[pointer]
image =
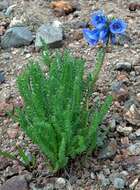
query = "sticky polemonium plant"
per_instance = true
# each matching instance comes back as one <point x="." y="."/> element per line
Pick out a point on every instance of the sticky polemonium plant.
<point x="57" y="113"/>
<point x="105" y="29"/>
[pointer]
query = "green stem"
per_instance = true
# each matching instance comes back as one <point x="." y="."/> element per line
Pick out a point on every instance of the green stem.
<point x="99" y="63"/>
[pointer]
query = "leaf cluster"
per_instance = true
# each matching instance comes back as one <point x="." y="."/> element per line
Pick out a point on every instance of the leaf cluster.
<point x="56" y="114"/>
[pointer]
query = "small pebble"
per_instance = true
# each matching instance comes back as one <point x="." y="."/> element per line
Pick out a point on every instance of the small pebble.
<point x="124" y="130"/>
<point x="60" y="183"/>
<point x="119" y="183"/>
<point x="134" y="149"/>
<point x="104" y="181"/>
<point x="2" y="78"/>
<point x="137" y="133"/>
<point x="92" y="175"/>
<point x="134" y="183"/>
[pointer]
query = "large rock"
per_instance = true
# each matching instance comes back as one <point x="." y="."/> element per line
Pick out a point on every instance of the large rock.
<point x="50" y="33"/>
<point x="15" y="183"/>
<point x="16" y="37"/>
<point x="126" y="66"/>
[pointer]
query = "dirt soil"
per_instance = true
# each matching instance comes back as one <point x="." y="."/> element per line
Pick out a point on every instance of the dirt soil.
<point x="117" y="164"/>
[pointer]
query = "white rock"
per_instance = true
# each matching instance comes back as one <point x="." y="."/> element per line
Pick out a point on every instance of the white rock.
<point x="137" y="133"/>
<point x="60" y="183"/>
<point x="15" y="21"/>
<point x="134" y="183"/>
<point x="134" y="149"/>
<point x="124" y="130"/>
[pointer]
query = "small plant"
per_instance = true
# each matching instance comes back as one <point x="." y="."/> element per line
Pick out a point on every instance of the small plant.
<point x="24" y="159"/>
<point x="56" y="113"/>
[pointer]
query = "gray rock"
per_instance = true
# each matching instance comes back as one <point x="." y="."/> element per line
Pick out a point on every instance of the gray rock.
<point x="137" y="69"/>
<point x="132" y="115"/>
<point x="10" y="172"/>
<point x="134" y="149"/>
<point x="124" y="66"/>
<point x="117" y="118"/>
<point x="15" y="183"/>
<point x="106" y="171"/>
<point x="104" y="181"/>
<point x="138" y="97"/>
<point x="109" y="151"/>
<point x="4" y="163"/>
<point x="2" y="78"/>
<point x="119" y="91"/>
<point x="113" y="124"/>
<point x="78" y="24"/>
<point x="119" y="183"/>
<point x="6" y="55"/>
<point x="51" y="33"/>
<point x="3" y="5"/>
<point x="130" y="102"/>
<point x="16" y="37"/>
<point x="48" y="187"/>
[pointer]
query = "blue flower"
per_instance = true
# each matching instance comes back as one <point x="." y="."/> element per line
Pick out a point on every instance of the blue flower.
<point x="105" y="29"/>
<point x="117" y="26"/>
<point x="104" y="35"/>
<point x="91" y="36"/>
<point x="99" y="20"/>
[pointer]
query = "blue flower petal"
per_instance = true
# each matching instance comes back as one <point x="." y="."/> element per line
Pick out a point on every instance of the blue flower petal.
<point x="113" y="38"/>
<point x="117" y="26"/>
<point x="91" y="36"/>
<point x="104" y="35"/>
<point x="98" y="19"/>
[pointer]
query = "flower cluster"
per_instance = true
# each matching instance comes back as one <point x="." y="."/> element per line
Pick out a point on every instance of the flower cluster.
<point x="104" y="29"/>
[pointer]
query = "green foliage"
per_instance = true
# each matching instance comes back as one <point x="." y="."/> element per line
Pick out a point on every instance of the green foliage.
<point x="7" y="155"/>
<point x="56" y="115"/>
<point x="24" y="159"/>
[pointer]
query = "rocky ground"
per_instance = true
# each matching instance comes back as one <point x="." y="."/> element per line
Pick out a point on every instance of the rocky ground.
<point x="117" y="164"/>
